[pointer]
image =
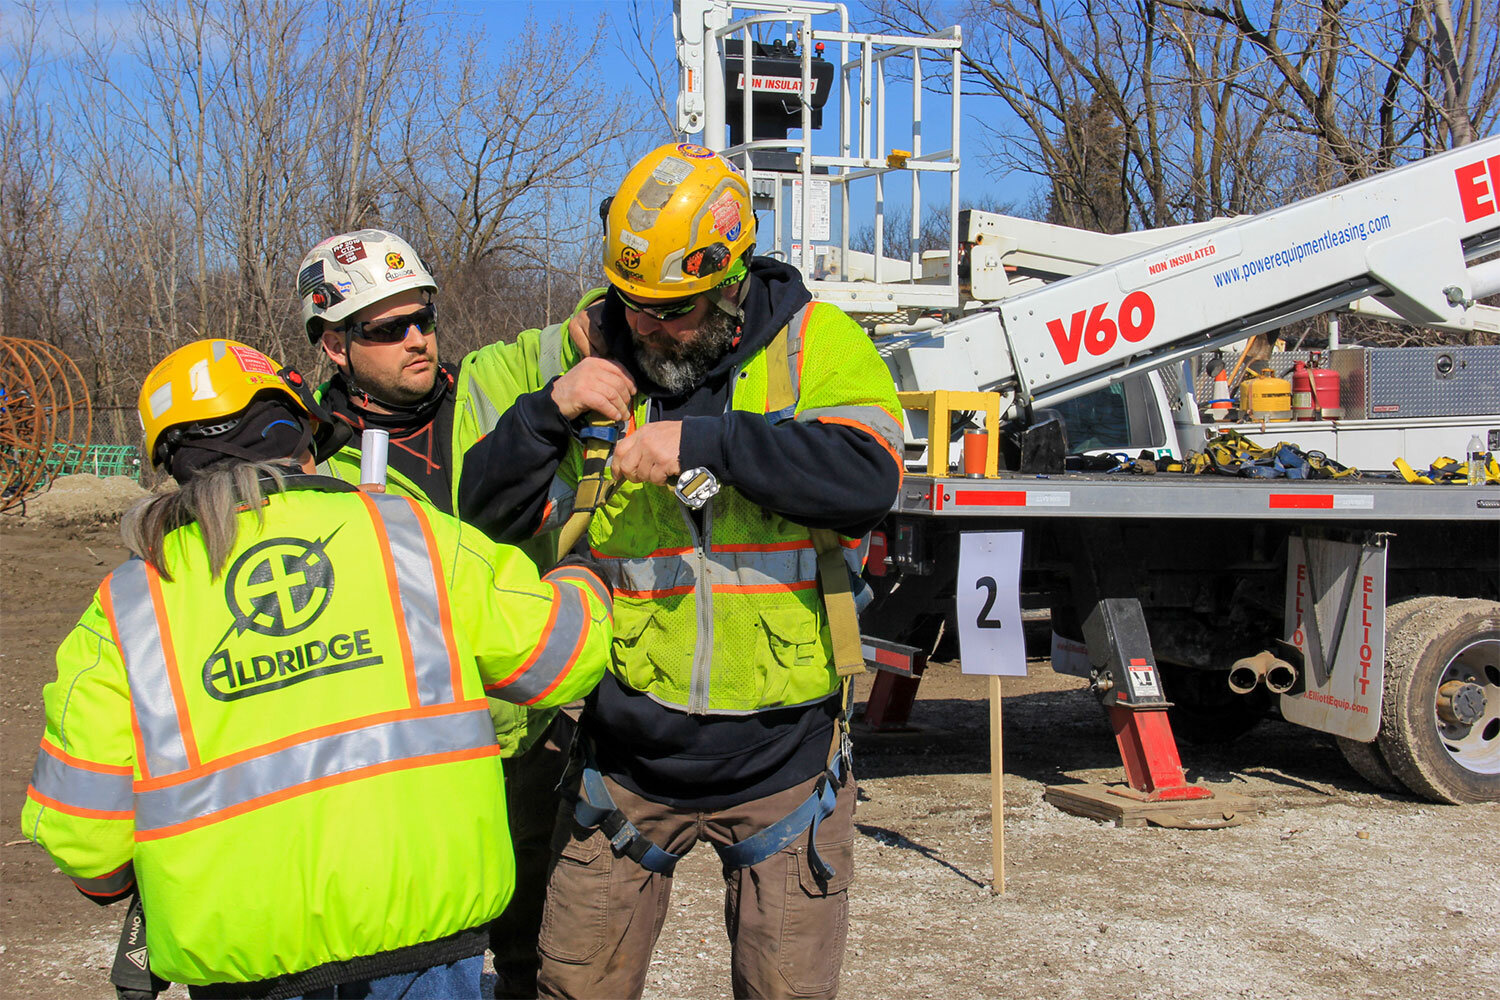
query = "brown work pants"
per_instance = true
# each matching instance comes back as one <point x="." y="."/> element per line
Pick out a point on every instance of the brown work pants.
<point x="530" y="804"/>
<point x="786" y="929"/>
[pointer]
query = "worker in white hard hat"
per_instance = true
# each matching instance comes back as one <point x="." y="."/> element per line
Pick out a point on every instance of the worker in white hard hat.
<point x="370" y="302"/>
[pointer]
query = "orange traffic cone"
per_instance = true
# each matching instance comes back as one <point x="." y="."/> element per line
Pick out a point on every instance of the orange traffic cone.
<point x="1220" y="402"/>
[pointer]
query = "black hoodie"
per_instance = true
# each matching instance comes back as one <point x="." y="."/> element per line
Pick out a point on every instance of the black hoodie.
<point x="818" y="474"/>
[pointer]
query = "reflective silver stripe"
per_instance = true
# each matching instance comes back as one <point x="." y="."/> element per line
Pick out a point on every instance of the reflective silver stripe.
<point x="560" y="499"/>
<point x="548" y="663"/>
<point x="794" y="350"/>
<point x="597" y="588"/>
<point x="873" y="417"/>
<point x="113" y="884"/>
<point x="146" y="668"/>
<point x="855" y="558"/>
<point x="549" y="352"/>
<point x="418" y="591"/>
<point x="285" y="770"/>
<point x="703" y="598"/>
<point x="71" y="785"/>
<point x="486" y="413"/>
<point x="732" y="568"/>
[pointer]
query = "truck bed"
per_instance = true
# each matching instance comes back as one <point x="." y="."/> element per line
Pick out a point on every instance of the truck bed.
<point x="1203" y="496"/>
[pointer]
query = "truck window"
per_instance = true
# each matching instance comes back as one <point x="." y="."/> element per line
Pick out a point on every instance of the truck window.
<point x="1096" y="421"/>
<point x="1120" y="417"/>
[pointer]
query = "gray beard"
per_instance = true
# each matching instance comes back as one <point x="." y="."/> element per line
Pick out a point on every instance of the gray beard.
<point x="681" y="367"/>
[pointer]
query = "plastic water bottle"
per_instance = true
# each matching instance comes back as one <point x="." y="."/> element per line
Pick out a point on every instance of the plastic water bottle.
<point x="1476" y="461"/>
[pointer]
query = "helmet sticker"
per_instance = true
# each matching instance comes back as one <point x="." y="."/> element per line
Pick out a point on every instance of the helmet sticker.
<point x="160" y="401"/>
<point x="630" y="259"/>
<point x="252" y="361"/>
<point x="633" y="241"/>
<point x="199" y="382"/>
<point x="695" y="151"/>
<point x="672" y="171"/>
<point x="310" y="278"/>
<point x="345" y="288"/>
<point x="349" y="251"/>
<point x="706" y="260"/>
<point x="393" y="260"/>
<point x="398" y="275"/>
<point x="726" y="213"/>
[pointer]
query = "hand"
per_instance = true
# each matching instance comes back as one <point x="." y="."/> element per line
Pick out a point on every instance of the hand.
<point x="650" y="454"/>
<point x="587" y="331"/>
<point x="597" y="384"/>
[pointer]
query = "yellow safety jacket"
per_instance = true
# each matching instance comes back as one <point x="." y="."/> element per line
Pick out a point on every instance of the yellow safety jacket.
<point x="295" y="760"/>
<point x="488" y="382"/>
<point x="729" y="619"/>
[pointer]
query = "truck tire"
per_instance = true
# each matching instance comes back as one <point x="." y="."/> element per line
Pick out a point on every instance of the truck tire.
<point x="1365" y="758"/>
<point x="1437" y="758"/>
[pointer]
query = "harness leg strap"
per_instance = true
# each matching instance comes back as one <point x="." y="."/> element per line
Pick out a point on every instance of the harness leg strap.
<point x="781" y="834"/>
<point x="595" y="809"/>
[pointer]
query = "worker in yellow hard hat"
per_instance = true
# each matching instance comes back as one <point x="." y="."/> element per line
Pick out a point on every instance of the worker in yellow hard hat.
<point x="270" y="727"/>
<point x="761" y="442"/>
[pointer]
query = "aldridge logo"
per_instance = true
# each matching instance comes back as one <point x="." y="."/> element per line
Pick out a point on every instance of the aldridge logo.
<point x="279" y="587"/>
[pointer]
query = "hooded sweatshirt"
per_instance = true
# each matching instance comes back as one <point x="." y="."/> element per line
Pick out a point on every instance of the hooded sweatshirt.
<point x="821" y="475"/>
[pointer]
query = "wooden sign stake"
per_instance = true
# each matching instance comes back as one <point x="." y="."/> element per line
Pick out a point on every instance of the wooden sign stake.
<point x="997" y="793"/>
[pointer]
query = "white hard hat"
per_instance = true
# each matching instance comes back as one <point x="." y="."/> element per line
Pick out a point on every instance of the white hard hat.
<point x="347" y="272"/>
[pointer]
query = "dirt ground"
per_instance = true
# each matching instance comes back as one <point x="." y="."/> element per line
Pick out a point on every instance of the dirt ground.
<point x="1333" y="891"/>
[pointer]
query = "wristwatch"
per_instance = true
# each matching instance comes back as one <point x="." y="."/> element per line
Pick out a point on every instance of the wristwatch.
<point x="696" y="487"/>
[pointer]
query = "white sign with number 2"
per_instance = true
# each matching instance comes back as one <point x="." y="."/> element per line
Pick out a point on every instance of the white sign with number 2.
<point x="989" y="603"/>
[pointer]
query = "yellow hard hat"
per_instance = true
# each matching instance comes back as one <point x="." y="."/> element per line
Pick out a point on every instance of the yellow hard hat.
<point x="681" y="223"/>
<point x="203" y="387"/>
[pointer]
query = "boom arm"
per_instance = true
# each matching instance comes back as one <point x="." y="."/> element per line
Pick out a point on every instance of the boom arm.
<point x="1405" y="236"/>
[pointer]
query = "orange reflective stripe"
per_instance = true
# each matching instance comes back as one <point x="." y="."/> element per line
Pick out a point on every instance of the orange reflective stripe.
<point x="445" y="614"/>
<point x="63" y="807"/>
<point x="762" y="588"/>
<point x="88" y="765"/>
<point x="868" y="430"/>
<point x="681" y="550"/>
<point x="329" y="781"/>
<point x="388" y="562"/>
<point x="308" y="736"/>
<point x="805" y="543"/>
<point x="644" y="594"/>
<point x="541" y="643"/>
<point x="567" y="666"/>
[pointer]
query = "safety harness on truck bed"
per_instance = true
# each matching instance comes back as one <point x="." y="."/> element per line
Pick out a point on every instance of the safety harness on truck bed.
<point x="594" y="807"/>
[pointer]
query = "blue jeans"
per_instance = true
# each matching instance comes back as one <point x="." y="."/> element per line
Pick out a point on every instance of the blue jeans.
<point x="458" y="981"/>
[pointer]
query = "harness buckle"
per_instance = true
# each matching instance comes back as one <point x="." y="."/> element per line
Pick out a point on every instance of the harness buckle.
<point x="696" y="487"/>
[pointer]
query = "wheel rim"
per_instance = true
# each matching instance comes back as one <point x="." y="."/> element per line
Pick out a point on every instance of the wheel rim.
<point x="1476" y="746"/>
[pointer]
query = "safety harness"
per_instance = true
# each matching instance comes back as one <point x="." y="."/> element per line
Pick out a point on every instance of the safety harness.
<point x="595" y="808"/>
<point x="1233" y="454"/>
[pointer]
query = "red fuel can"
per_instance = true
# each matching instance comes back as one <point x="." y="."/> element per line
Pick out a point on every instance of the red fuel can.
<point x="1315" y="393"/>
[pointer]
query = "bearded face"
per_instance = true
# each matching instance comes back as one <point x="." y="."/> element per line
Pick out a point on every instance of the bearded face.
<point x="678" y="364"/>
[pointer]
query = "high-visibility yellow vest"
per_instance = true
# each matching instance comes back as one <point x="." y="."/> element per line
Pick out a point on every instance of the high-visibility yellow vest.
<point x="730" y="619"/>
<point x="488" y="382"/>
<point x="297" y="757"/>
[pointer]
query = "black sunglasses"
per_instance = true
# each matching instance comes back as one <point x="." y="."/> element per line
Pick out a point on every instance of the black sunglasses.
<point x="395" y="329"/>
<point x="670" y="311"/>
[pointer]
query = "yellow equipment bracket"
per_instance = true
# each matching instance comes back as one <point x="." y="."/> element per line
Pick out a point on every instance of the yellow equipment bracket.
<point x="939" y="406"/>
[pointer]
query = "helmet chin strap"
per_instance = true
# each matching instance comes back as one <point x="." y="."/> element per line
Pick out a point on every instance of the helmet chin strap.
<point x="363" y="397"/>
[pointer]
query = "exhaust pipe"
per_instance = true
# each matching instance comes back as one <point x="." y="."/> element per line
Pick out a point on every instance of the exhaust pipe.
<point x="1281" y="677"/>
<point x="1245" y="676"/>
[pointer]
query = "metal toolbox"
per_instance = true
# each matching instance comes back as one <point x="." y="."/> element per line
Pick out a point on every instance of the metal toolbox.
<point x="1392" y="383"/>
